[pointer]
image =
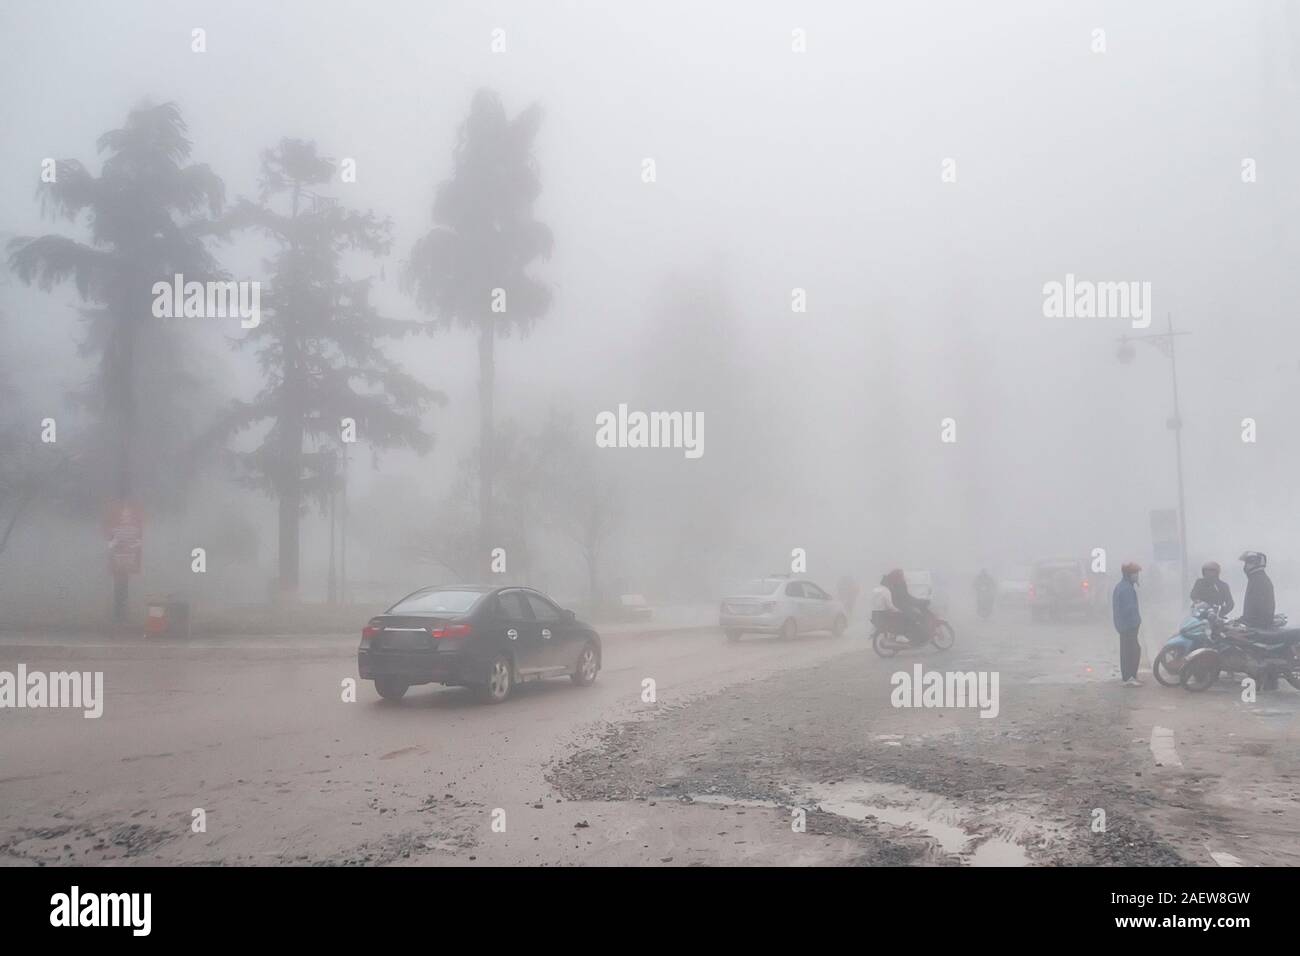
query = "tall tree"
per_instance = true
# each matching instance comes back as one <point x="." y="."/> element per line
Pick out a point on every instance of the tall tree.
<point x="471" y="269"/>
<point x="320" y="348"/>
<point x="149" y="214"/>
<point x="579" y="498"/>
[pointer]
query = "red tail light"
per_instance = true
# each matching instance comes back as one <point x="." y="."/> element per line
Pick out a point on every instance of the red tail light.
<point x="1032" y="590"/>
<point x="370" y="631"/>
<point x="451" y="630"/>
<point x="1085" y="585"/>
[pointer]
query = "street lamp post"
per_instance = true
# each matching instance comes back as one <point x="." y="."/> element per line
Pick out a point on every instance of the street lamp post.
<point x="1165" y="342"/>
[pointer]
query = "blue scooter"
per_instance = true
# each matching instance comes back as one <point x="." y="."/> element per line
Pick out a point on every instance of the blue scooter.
<point x="1193" y="634"/>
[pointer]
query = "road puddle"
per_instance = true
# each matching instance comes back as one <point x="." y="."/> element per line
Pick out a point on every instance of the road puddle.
<point x="976" y="837"/>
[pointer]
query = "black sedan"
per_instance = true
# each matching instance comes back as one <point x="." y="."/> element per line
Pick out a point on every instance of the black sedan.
<point x="487" y="638"/>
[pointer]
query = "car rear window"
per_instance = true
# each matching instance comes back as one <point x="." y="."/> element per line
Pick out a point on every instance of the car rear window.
<point x="437" y="601"/>
<point x="761" y="586"/>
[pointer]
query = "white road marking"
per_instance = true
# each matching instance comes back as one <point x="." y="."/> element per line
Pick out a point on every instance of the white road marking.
<point x="1162" y="747"/>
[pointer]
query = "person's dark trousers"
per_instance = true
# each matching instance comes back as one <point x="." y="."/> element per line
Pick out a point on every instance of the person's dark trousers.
<point x="1130" y="654"/>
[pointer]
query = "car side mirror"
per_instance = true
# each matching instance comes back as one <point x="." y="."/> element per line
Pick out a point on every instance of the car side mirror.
<point x="569" y="616"/>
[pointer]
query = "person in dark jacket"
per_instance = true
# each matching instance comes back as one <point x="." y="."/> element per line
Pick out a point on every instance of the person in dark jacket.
<point x="1258" y="606"/>
<point x="1212" y="589"/>
<point x="1128" y="620"/>
<point x="912" y="609"/>
<point x="847" y="592"/>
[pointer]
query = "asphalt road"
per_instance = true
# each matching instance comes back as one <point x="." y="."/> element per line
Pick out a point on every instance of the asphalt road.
<point x="738" y="737"/>
<point x="286" y="771"/>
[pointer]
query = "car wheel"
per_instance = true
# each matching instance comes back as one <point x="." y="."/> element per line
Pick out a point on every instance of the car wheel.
<point x="839" y="626"/>
<point x="789" y="630"/>
<point x="390" y="688"/>
<point x="733" y="635"/>
<point x="500" y="682"/>
<point x="584" y="674"/>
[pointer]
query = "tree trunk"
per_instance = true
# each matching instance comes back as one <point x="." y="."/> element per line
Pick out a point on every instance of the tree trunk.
<point x="290" y="508"/>
<point x="124" y="398"/>
<point x="593" y="584"/>
<point x="486" y="372"/>
<point x="289" y="514"/>
<point x="290" y="463"/>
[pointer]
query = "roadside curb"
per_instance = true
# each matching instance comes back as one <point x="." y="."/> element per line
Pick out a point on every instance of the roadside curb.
<point x="163" y="649"/>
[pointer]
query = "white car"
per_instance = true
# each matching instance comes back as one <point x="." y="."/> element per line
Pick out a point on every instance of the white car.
<point x="781" y="605"/>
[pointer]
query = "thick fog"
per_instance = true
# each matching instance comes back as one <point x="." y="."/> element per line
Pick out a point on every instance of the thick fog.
<point x="825" y="228"/>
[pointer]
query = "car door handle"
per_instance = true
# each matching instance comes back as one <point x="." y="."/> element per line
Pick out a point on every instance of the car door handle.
<point x="512" y="634"/>
<point x="546" y="633"/>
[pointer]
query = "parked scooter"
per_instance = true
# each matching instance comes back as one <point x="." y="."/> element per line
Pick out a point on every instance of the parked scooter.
<point x="887" y="637"/>
<point x="1196" y="632"/>
<point x="1263" y="655"/>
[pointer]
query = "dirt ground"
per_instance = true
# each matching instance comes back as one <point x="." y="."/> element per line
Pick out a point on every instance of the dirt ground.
<point x="940" y="786"/>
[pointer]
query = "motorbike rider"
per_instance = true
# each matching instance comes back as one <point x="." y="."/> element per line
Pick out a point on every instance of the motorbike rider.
<point x="1213" y="590"/>
<point x="846" y="589"/>
<point x="913" y="609"/>
<point x="1258" y="606"/>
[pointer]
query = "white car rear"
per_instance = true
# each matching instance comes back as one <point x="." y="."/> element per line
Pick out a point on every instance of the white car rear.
<point x="781" y="605"/>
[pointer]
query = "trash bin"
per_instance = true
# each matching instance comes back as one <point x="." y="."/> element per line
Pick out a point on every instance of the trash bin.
<point x="168" y="617"/>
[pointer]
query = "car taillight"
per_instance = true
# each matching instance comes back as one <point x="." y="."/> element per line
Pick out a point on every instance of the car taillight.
<point x="1085" y="585"/>
<point x="370" y="631"/>
<point x="1032" y="590"/>
<point x="451" y="630"/>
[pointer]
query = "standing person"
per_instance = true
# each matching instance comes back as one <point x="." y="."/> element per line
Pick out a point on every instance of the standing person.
<point x="1128" y="619"/>
<point x="847" y="591"/>
<point x="1212" y="589"/>
<point x="986" y="590"/>
<point x="1257" y="607"/>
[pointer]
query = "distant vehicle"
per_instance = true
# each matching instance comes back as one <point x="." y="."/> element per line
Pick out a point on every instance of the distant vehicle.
<point x="490" y="639"/>
<point x="781" y="605"/>
<point x="1062" y="588"/>
<point x="1013" y="587"/>
<point x="633" y="607"/>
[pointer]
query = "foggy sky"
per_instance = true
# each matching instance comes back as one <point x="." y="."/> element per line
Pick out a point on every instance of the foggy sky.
<point x="779" y="170"/>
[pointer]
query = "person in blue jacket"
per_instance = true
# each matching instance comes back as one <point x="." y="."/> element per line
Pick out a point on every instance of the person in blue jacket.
<point x="1128" y="619"/>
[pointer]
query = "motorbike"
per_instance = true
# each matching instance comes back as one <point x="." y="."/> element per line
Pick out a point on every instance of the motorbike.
<point x="887" y="638"/>
<point x="1193" y="634"/>
<point x="1264" y="655"/>
<point x="984" y="600"/>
